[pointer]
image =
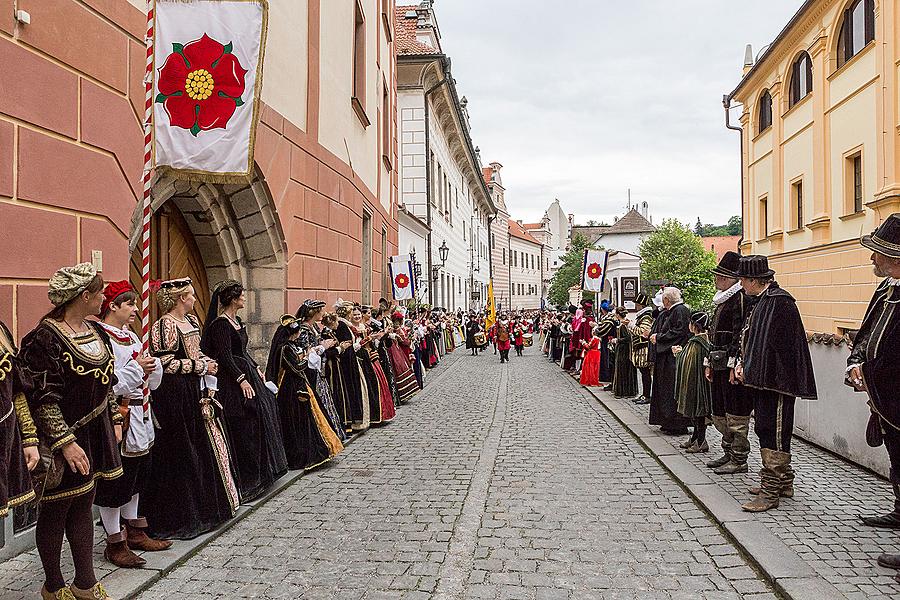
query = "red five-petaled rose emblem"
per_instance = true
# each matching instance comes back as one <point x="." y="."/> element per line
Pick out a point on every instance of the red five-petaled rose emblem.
<point x="200" y="85"/>
<point x="401" y="280"/>
<point x="593" y="271"/>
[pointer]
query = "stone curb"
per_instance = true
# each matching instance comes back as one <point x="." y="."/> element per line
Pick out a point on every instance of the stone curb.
<point x="128" y="584"/>
<point x="789" y="574"/>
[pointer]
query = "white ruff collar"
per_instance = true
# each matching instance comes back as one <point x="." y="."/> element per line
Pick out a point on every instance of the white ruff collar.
<point x="723" y="296"/>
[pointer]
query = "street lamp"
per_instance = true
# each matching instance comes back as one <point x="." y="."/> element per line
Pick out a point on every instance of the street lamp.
<point x="443" y="251"/>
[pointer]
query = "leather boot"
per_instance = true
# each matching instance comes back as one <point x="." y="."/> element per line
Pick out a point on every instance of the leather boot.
<point x="721" y="425"/>
<point x="775" y="464"/>
<point x="95" y="593"/>
<point x="892" y="519"/>
<point x="739" y="428"/>
<point x="139" y="540"/>
<point x="787" y="484"/>
<point x="118" y="553"/>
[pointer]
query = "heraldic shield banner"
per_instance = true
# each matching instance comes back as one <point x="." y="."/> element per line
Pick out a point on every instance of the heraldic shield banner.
<point x="208" y="64"/>
<point x="593" y="275"/>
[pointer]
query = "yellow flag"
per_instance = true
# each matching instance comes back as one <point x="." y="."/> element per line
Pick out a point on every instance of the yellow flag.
<point x="491" y="308"/>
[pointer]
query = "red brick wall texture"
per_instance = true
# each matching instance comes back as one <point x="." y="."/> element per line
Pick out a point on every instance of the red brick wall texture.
<point x="71" y="150"/>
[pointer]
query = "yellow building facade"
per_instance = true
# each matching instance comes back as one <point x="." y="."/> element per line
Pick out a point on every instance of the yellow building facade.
<point x="820" y="152"/>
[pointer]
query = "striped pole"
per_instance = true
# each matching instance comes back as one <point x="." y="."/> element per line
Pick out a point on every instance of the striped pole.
<point x="146" y="200"/>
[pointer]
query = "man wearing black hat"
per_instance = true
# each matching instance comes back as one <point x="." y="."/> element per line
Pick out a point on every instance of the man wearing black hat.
<point x="874" y="367"/>
<point x="775" y="366"/>
<point x="640" y="345"/>
<point x="731" y="407"/>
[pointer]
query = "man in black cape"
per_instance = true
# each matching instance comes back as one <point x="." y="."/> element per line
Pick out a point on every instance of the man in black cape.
<point x="874" y="363"/>
<point x="731" y="405"/>
<point x="775" y="367"/>
<point x="670" y="329"/>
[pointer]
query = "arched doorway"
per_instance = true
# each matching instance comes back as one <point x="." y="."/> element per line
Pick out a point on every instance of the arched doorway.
<point x="173" y="254"/>
<point x="211" y="232"/>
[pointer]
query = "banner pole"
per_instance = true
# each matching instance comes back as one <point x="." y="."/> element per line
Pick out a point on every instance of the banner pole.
<point x="146" y="212"/>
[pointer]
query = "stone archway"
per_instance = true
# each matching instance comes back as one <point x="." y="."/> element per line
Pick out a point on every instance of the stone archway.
<point x="239" y="235"/>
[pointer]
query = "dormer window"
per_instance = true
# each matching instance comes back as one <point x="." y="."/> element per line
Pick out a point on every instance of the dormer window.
<point x="857" y="30"/>
<point x="765" y="111"/>
<point x="801" y="78"/>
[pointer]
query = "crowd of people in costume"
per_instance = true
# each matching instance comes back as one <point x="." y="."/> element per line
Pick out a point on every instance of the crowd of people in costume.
<point x="745" y="360"/>
<point x="168" y="444"/>
<point x="749" y="355"/>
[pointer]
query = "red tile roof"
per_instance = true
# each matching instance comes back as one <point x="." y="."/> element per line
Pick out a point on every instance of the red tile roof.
<point x="722" y="244"/>
<point x="516" y="230"/>
<point x="405" y="33"/>
<point x="533" y="225"/>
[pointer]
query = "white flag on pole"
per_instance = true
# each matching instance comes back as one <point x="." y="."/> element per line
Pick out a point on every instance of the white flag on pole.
<point x="402" y="280"/>
<point x="208" y="78"/>
<point x="593" y="274"/>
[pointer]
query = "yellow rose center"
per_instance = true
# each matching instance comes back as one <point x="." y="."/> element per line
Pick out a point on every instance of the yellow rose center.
<point x="199" y="84"/>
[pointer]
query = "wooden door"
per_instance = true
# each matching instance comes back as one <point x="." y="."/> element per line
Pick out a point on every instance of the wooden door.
<point x="173" y="254"/>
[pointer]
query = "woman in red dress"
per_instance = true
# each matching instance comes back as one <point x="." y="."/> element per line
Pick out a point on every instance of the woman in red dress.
<point x="590" y="367"/>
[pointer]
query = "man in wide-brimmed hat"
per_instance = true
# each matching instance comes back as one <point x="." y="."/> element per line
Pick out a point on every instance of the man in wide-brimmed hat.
<point x="775" y="366"/>
<point x="731" y="407"/>
<point x="874" y="367"/>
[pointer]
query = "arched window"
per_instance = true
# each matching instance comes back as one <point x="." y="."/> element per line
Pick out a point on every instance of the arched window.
<point x="857" y="30"/>
<point x="801" y="78"/>
<point x="765" y="111"/>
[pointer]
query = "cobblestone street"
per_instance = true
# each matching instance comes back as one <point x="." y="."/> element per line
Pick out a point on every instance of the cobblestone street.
<point x="496" y="482"/>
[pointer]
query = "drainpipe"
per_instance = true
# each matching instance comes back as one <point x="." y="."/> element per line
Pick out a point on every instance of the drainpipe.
<point x="726" y="102"/>
<point x="428" y="186"/>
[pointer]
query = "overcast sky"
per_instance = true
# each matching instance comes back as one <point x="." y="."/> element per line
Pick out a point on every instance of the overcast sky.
<point x="581" y="100"/>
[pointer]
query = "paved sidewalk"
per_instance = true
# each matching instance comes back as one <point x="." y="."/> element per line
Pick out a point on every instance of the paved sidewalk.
<point x="500" y="481"/>
<point x="817" y="532"/>
<point x="21" y="577"/>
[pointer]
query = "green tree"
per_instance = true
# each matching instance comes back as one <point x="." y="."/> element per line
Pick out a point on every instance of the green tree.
<point x="735" y="226"/>
<point x="569" y="272"/>
<point x="675" y="254"/>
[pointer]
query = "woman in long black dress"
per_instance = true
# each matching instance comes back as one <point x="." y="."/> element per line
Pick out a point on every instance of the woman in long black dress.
<point x="624" y="375"/>
<point x="355" y="387"/>
<point x="331" y="373"/>
<point x="364" y="348"/>
<point x="310" y="340"/>
<point x="69" y="363"/>
<point x="251" y="411"/>
<point x="18" y="434"/>
<point x="191" y="488"/>
<point x="309" y="439"/>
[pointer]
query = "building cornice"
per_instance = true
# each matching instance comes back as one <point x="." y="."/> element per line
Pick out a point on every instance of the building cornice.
<point x="810" y="12"/>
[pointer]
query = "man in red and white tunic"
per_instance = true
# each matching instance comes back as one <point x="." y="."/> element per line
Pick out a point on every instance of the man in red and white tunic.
<point x="118" y="498"/>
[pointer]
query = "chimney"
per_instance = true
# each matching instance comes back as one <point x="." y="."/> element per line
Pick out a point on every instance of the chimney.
<point x="748" y="59"/>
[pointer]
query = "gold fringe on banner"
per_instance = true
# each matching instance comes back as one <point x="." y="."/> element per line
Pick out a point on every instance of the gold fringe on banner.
<point x="211" y="176"/>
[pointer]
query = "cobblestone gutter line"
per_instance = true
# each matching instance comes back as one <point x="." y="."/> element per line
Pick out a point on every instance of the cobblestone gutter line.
<point x="460" y="559"/>
<point x="792" y="576"/>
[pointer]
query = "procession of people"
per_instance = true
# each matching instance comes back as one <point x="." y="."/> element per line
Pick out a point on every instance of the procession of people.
<point x="168" y="444"/>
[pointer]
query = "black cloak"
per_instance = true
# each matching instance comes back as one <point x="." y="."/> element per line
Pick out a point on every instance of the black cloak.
<point x="876" y="348"/>
<point x="775" y="351"/>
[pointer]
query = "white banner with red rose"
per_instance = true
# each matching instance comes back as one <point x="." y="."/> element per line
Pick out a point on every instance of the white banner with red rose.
<point x="593" y="274"/>
<point x="208" y="79"/>
<point x="403" y="281"/>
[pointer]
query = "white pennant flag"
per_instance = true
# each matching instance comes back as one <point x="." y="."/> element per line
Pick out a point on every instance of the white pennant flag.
<point x="402" y="280"/>
<point x="208" y="79"/>
<point x="593" y="274"/>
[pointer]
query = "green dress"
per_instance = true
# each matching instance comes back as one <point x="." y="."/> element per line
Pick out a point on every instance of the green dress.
<point x="691" y="386"/>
